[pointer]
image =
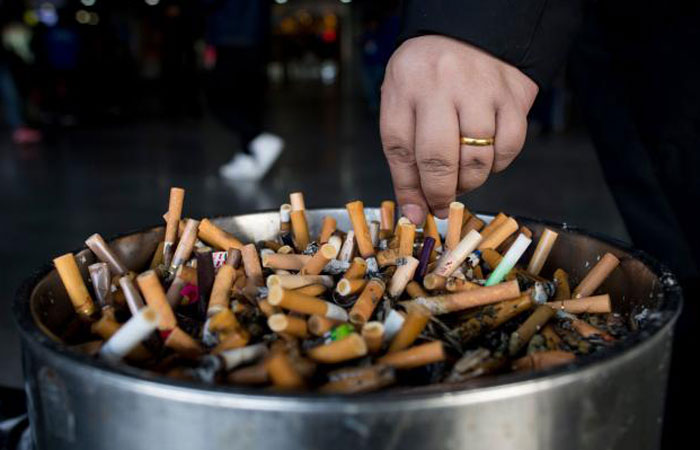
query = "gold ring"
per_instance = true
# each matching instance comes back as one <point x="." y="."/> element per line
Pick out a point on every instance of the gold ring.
<point x="464" y="140"/>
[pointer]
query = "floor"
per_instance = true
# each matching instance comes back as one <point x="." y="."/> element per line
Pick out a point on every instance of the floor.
<point x="115" y="179"/>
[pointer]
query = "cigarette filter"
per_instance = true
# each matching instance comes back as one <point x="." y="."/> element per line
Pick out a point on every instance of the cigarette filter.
<point x="430" y="230"/>
<point x="282" y="373"/>
<point x="499" y="234"/>
<point x="358" y="380"/>
<point x="135" y="330"/>
<point x="454" y="225"/>
<point x="599" y="304"/>
<point x="358" y="269"/>
<point x="350" y="347"/>
<point x="158" y="257"/>
<point x="336" y="241"/>
<point x="551" y="337"/>
<point x="105" y="254"/>
<point x="532" y="325"/>
<point x="455" y="257"/>
<point x="388" y="257"/>
<point x="561" y="279"/>
<point x="356" y="211"/>
<point x="313" y="290"/>
<point x="319" y="325"/>
<point x="281" y="323"/>
<point x="407" y="237"/>
<point x="454" y="284"/>
<point x="230" y="341"/>
<point x="298" y="281"/>
<point x="221" y="291"/>
<point x="68" y="271"/>
<point x="414" y="290"/>
<point x="544" y="247"/>
<point x="495" y="223"/>
<point x="587" y="330"/>
<point x="186" y="244"/>
<point x="285" y="261"/>
<point x="364" y="306"/>
<point x="285" y="218"/>
<point x="251" y="264"/>
<point x="328" y="226"/>
<point x="155" y="298"/>
<point x="417" y="356"/>
<point x="444" y="304"/>
<point x="596" y="275"/>
<point x="177" y="198"/>
<point x="319" y="260"/>
<point x="434" y="282"/>
<point x="404" y="273"/>
<point x="305" y="304"/>
<point x="373" y="334"/>
<point x="474" y="223"/>
<point x="216" y="237"/>
<point x="388" y="214"/>
<point x="416" y="320"/>
<point x="300" y="226"/>
<point x="543" y="360"/>
<point x="347" y="287"/>
<point x="509" y="260"/>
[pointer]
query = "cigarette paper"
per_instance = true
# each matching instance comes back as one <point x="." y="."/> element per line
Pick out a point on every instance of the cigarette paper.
<point x="491" y="317"/>
<point x="417" y="356"/>
<point x="68" y="271"/>
<point x="251" y="264"/>
<point x="313" y="290"/>
<point x="186" y="244"/>
<point x="364" y="306"/>
<point x="350" y="347"/>
<point x="281" y="323"/>
<point x="319" y="325"/>
<point x="356" y="212"/>
<point x="373" y="334"/>
<point x="327" y="228"/>
<point x="285" y="218"/>
<point x="458" y="285"/>
<point x="305" y="304"/>
<point x="444" y="304"/>
<point x="101" y="283"/>
<point x="230" y="359"/>
<point x="543" y="360"/>
<point x="392" y="324"/>
<point x="404" y="273"/>
<point x="298" y="281"/>
<point x="129" y="335"/>
<point x="359" y="379"/>
<point x="509" y="260"/>
<point x="285" y="261"/>
<point x="544" y="247"/>
<point x="495" y="223"/>
<point x="318" y="261"/>
<point x="454" y="225"/>
<point x="347" y="287"/>
<point x="599" y="304"/>
<point x="455" y="257"/>
<point x="221" y="291"/>
<point x="520" y="337"/>
<point x="407" y="237"/>
<point x="155" y="297"/>
<point x="499" y="234"/>
<point x="216" y="237"/>
<point x="105" y="254"/>
<point x="416" y="320"/>
<point x="282" y="373"/>
<point x="347" y="251"/>
<point x="388" y="214"/>
<point x="596" y="275"/>
<point x="177" y="198"/>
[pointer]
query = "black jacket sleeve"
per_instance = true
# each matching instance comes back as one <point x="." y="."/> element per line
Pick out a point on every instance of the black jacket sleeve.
<point x="532" y="35"/>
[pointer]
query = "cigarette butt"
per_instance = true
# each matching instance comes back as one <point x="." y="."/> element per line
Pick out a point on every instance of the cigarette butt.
<point x="305" y="304"/>
<point x="319" y="260"/>
<point x="313" y="290"/>
<point x="101" y="284"/>
<point x="272" y="245"/>
<point x="300" y="229"/>
<point x="299" y="281"/>
<point x="414" y="290"/>
<point x="220" y="293"/>
<point x="157" y="259"/>
<point x="510" y="259"/>
<point x="133" y="298"/>
<point x="374" y="233"/>
<point x="177" y="198"/>
<point x="388" y="214"/>
<point x="599" y="304"/>
<point x="596" y="275"/>
<point x="455" y="257"/>
<point x="414" y="324"/>
<point x="358" y="269"/>
<point x="189" y="275"/>
<point x="505" y="246"/>
<point x="357" y="380"/>
<point x="561" y="279"/>
<point x="285" y="261"/>
<point x="444" y="304"/>
<point x="347" y="287"/>
<point x="543" y="360"/>
<point x="474" y="223"/>
<point x="408" y="236"/>
<point x="68" y="271"/>
<point x="587" y="330"/>
<point x="347" y="251"/>
<point x="426" y="254"/>
<point x="388" y="257"/>
<point x="183" y="251"/>
<point x="105" y="254"/>
<point x="499" y="234"/>
<point x="155" y="297"/>
<point x="281" y="323"/>
<point x="404" y="273"/>
<point x="373" y="334"/>
<point x="364" y="306"/>
<point x="491" y="257"/>
<point x="285" y="218"/>
<point x="434" y="282"/>
<point x="495" y="223"/>
<point x="417" y="356"/>
<point x="430" y="230"/>
<point x="454" y="225"/>
<point x="205" y="276"/>
<point x="129" y="336"/>
<point x="282" y="372"/>
<point x="478" y="273"/>
<point x="267" y="308"/>
<point x="327" y="228"/>
<point x="251" y="264"/>
<point x="183" y="344"/>
<point x="350" y="347"/>
<point x="285" y="250"/>
<point x="336" y="241"/>
<point x="249" y="376"/>
<point x="551" y="337"/>
<point x="492" y="316"/>
<point x="319" y="325"/>
<point x="107" y="326"/>
<point x="356" y="212"/>
<point x="544" y="247"/>
<point x="458" y="285"/>
<point x="532" y="325"/>
<point x="216" y="237"/>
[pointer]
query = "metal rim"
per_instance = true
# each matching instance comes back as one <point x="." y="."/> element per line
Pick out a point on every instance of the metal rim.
<point x="466" y="392"/>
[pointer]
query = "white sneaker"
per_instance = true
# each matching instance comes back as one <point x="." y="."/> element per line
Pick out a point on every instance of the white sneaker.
<point x="241" y="167"/>
<point x="266" y="148"/>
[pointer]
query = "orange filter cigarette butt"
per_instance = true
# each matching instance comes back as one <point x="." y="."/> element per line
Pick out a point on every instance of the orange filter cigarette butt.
<point x="434" y="282"/>
<point x="499" y="234"/>
<point x="357" y="269"/>
<point x="599" y="304"/>
<point x="491" y="257"/>
<point x="313" y="290"/>
<point x="327" y="228"/>
<point x="216" y="237"/>
<point x="347" y="287"/>
<point x="299" y="281"/>
<point x="183" y="251"/>
<point x="532" y="325"/>
<point x="444" y="304"/>
<point x="251" y="264"/>
<point x="285" y="219"/>
<point x="364" y="306"/>
<point x="561" y="279"/>
<point x="319" y="260"/>
<point x="155" y="297"/>
<point x="495" y="223"/>
<point x="356" y="211"/>
<point x="474" y="223"/>
<point x="414" y="290"/>
<point x="596" y="275"/>
<point x="388" y="216"/>
<point x="282" y="372"/>
<point x="544" y="247"/>
<point x="408" y="236"/>
<point x="177" y="198"/>
<point x="373" y="334"/>
<point x="305" y="304"/>
<point x="281" y="323"/>
<point x="430" y="230"/>
<point x="404" y="273"/>
<point x="267" y="308"/>
<point x="319" y="325"/>
<point x="300" y="226"/>
<point x="220" y="292"/>
<point x="387" y="257"/>
<point x="350" y="347"/>
<point x="454" y="225"/>
<point x="68" y="271"/>
<point x="543" y="360"/>
<point x="587" y="330"/>
<point x="413" y="325"/>
<point x="454" y="284"/>
<point x="183" y="343"/>
<point x="285" y="261"/>
<point x="417" y="356"/>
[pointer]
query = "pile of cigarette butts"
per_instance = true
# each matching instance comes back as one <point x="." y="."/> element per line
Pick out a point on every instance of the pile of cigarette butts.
<point x="382" y="305"/>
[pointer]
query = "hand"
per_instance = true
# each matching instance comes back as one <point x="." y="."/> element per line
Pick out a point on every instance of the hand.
<point x="435" y="90"/>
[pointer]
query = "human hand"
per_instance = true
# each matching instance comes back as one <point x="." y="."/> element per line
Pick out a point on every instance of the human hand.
<point x="435" y="90"/>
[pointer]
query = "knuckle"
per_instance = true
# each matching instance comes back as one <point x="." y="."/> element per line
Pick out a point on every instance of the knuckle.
<point x="437" y="165"/>
<point x="397" y="152"/>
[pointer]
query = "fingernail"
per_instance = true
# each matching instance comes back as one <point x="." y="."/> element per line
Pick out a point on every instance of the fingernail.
<point x="414" y="213"/>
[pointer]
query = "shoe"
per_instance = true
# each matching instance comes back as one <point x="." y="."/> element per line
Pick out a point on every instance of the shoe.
<point x="266" y="148"/>
<point x="241" y="167"/>
<point x="26" y="135"/>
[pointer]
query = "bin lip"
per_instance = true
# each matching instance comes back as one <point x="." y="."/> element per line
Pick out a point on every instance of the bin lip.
<point x="672" y="303"/>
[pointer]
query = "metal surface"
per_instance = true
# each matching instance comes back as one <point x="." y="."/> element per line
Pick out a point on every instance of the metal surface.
<point x="612" y="400"/>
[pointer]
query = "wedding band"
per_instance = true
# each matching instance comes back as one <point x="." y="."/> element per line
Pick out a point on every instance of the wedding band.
<point x="464" y="140"/>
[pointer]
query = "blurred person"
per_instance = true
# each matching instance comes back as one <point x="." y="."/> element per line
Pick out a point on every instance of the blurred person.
<point x="237" y="33"/>
<point x="14" y="43"/>
<point x="473" y="69"/>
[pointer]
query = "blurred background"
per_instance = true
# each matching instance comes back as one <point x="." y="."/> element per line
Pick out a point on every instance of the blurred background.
<point x="106" y="104"/>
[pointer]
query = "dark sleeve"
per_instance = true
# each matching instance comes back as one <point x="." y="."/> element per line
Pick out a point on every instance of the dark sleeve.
<point x="532" y="35"/>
